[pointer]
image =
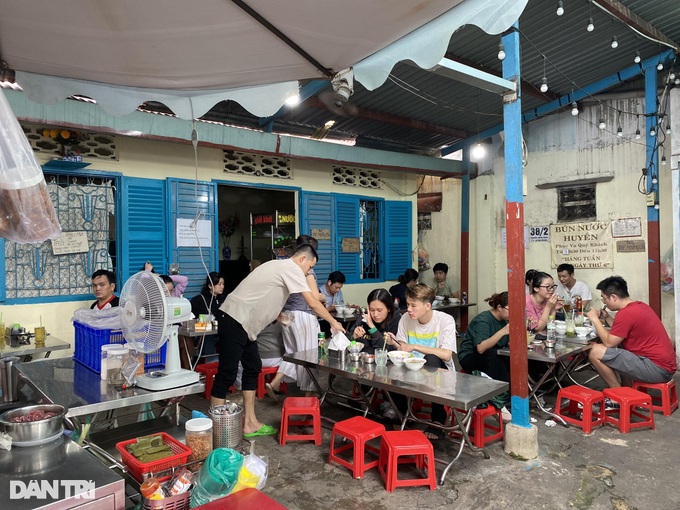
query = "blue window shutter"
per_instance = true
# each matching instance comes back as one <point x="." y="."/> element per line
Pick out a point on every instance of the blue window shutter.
<point x="184" y="199"/>
<point x="317" y="213"/>
<point x="143" y="225"/>
<point x="398" y="238"/>
<point x="347" y="225"/>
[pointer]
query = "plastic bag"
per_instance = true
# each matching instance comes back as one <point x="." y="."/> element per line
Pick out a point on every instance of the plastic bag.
<point x="423" y="258"/>
<point x="667" y="271"/>
<point x="26" y="211"/>
<point x="217" y="476"/>
<point x="253" y="472"/>
<point x="108" y="318"/>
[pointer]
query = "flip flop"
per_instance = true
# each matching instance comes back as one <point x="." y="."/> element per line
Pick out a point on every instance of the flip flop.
<point x="264" y="430"/>
<point x="439" y="433"/>
<point x="271" y="392"/>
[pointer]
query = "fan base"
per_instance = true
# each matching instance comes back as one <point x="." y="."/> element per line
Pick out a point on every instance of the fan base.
<point x="159" y="380"/>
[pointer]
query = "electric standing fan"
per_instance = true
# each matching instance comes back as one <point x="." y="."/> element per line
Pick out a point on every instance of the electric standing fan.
<point x="149" y="318"/>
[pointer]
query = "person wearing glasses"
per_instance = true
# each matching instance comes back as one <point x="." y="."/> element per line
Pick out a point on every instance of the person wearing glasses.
<point x="542" y="302"/>
<point x="488" y="332"/>
<point x="637" y="346"/>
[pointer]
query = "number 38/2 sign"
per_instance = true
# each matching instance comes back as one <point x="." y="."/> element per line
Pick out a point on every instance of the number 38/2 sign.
<point x="539" y="234"/>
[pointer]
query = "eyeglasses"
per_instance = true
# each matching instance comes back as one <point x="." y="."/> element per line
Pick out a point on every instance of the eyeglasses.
<point x="549" y="287"/>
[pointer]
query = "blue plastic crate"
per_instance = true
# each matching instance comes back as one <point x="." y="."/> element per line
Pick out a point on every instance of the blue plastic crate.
<point x="89" y="341"/>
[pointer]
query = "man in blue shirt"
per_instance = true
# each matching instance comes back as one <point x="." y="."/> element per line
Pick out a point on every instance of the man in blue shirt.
<point x="332" y="290"/>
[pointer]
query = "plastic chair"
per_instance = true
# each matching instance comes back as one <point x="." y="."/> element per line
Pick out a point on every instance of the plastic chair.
<point x="629" y="401"/>
<point x="406" y="447"/>
<point x="300" y="406"/>
<point x="568" y="411"/>
<point x="479" y="427"/>
<point x="359" y="431"/>
<point x="210" y="371"/>
<point x="266" y="375"/>
<point x="667" y="402"/>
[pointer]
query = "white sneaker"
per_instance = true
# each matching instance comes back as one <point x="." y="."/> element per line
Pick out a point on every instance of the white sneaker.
<point x="506" y="415"/>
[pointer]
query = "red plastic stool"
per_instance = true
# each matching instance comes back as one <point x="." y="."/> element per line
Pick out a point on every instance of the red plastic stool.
<point x="587" y="398"/>
<point x="300" y="406"/>
<point x="479" y="426"/>
<point x="412" y="444"/>
<point x="418" y="406"/>
<point x="359" y="430"/>
<point x="667" y="402"/>
<point x="629" y="400"/>
<point x="266" y="375"/>
<point x="210" y="370"/>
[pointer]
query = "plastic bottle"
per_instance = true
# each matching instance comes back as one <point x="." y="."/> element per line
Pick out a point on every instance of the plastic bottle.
<point x="322" y="343"/>
<point x="396" y="303"/>
<point x="551" y="331"/>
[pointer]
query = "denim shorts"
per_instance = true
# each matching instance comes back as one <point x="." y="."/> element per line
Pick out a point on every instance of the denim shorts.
<point x="637" y="368"/>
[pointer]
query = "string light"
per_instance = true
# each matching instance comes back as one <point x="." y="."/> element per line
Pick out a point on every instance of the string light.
<point x="619" y="132"/>
<point x="574" y="109"/>
<point x="638" y="135"/>
<point x="677" y="81"/>
<point x="652" y="131"/>
<point x="668" y="128"/>
<point x="656" y="205"/>
<point x="602" y="125"/>
<point x="591" y="26"/>
<point x="659" y="66"/>
<point x="615" y="42"/>
<point x="501" y="52"/>
<point x="671" y="77"/>
<point x="560" y="8"/>
<point x="478" y="151"/>
<point x="544" y="81"/>
<point x="663" y="160"/>
<point x="637" y="58"/>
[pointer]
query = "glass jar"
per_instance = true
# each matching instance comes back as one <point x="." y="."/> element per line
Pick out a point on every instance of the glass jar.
<point x="151" y="489"/>
<point x="105" y="349"/>
<point x="199" y="437"/>
<point x="115" y="359"/>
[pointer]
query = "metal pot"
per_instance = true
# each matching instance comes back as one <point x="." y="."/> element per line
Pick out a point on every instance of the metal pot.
<point x="32" y="431"/>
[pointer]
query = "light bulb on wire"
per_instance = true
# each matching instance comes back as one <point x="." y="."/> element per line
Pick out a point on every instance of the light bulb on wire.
<point x="602" y="124"/>
<point x="544" y="85"/>
<point x="652" y="131"/>
<point x="677" y="81"/>
<point x="591" y="25"/>
<point x="663" y="160"/>
<point x="615" y="42"/>
<point x="659" y="66"/>
<point x="560" y="8"/>
<point x="478" y="151"/>
<point x="654" y="179"/>
<point x="668" y="128"/>
<point x="619" y="132"/>
<point x="671" y="77"/>
<point x="574" y="109"/>
<point x="501" y="52"/>
<point x="637" y="58"/>
<point x="638" y="135"/>
<point x="656" y="205"/>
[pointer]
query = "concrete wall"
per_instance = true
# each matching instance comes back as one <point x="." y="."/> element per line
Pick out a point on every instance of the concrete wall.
<point x="157" y="160"/>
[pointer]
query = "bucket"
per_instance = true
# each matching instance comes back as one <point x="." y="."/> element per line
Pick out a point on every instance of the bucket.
<point x="227" y="428"/>
<point x="9" y="380"/>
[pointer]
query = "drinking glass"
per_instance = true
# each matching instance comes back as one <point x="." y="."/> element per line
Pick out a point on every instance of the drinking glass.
<point x="40" y="336"/>
<point x="571" y="332"/>
<point x="381" y="358"/>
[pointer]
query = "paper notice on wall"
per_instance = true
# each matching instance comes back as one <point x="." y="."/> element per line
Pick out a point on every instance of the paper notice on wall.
<point x="189" y="234"/>
<point x="504" y="240"/>
<point x="70" y="242"/>
<point x="584" y="245"/>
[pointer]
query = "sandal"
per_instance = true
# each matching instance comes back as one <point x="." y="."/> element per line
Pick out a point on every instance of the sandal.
<point x="434" y="431"/>
<point x="264" y="430"/>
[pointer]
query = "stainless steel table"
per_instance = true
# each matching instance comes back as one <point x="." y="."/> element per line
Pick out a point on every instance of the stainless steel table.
<point x="569" y="355"/>
<point x="462" y="392"/>
<point x="26" y="352"/>
<point x="66" y="382"/>
<point x="58" y="463"/>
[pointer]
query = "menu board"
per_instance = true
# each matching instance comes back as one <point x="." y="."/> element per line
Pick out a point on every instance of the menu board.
<point x="584" y="245"/>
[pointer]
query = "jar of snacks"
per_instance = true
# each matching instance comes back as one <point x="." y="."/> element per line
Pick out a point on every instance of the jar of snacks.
<point x="198" y="436"/>
<point x="115" y="359"/>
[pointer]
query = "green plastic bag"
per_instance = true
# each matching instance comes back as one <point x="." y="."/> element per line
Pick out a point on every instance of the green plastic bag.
<point x="217" y="476"/>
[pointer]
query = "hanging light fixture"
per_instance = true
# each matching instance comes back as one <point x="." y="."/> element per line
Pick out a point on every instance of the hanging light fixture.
<point x="615" y="42"/>
<point x="619" y="132"/>
<point x="601" y="124"/>
<point x="659" y="66"/>
<point x="560" y="8"/>
<point x="668" y="127"/>
<point x="663" y="160"/>
<point x="671" y="77"/>
<point x="501" y="52"/>
<point x="591" y="26"/>
<point x="677" y="81"/>
<point x="654" y="179"/>
<point x="574" y="109"/>
<point x="544" y="80"/>
<point x="652" y="131"/>
<point x="656" y="205"/>
<point x="638" y="135"/>
<point x="637" y="58"/>
<point x="478" y="151"/>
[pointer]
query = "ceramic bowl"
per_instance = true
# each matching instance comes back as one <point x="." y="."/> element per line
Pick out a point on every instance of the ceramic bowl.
<point x="414" y="363"/>
<point x="561" y="329"/>
<point x="582" y="331"/>
<point x="454" y="301"/>
<point x="398" y="357"/>
<point x="343" y="310"/>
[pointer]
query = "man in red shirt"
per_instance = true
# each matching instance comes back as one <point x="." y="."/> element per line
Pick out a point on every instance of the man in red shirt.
<point x="637" y="346"/>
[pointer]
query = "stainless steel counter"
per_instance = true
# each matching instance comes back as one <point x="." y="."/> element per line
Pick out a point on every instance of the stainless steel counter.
<point x="60" y="463"/>
<point x="66" y="382"/>
<point x="27" y="351"/>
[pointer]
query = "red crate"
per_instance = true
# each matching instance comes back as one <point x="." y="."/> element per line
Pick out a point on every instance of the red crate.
<point x="137" y="469"/>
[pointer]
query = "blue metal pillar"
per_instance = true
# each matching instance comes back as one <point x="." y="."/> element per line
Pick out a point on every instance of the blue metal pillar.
<point x="514" y="216"/>
<point x="652" y="158"/>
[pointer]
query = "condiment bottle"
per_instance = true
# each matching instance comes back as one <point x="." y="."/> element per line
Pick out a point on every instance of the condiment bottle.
<point x="151" y="489"/>
<point x="115" y="358"/>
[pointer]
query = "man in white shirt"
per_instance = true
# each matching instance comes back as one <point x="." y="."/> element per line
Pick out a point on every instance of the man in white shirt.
<point x="569" y="287"/>
<point x="428" y="334"/>
<point x="250" y="308"/>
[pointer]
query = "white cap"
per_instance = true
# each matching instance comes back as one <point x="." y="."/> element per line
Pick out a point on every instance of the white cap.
<point x="198" y="424"/>
<point x="108" y="347"/>
<point x="119" y="350"/>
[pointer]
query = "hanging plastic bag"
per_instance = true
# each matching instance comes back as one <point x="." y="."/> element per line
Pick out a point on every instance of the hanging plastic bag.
<point x="217" y="477"/>
<point x="26" y="211"/>
<point x="667" y="271"/>
<point x="253" y="471"/>
<point x="423" y="257"/>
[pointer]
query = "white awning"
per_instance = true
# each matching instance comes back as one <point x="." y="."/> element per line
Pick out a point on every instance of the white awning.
<point x="192" y="55"/>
